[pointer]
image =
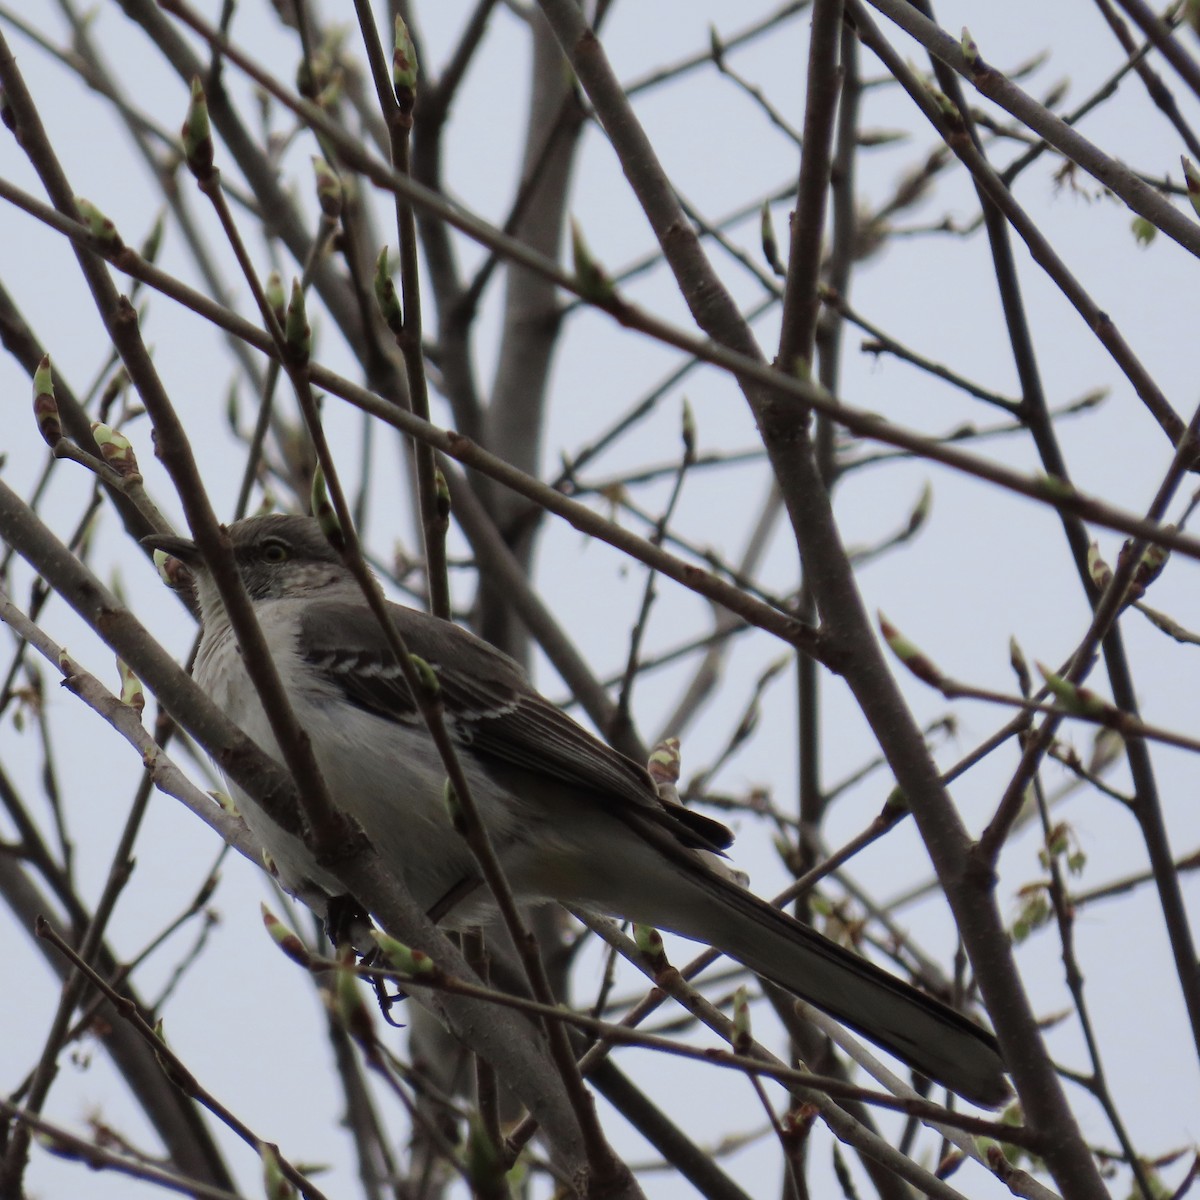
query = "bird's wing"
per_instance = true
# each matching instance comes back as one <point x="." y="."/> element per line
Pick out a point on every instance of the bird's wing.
<point x="489" y="706"/>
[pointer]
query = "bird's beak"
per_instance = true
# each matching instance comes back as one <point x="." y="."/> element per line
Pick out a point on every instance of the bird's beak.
<point x="183" y="549"/>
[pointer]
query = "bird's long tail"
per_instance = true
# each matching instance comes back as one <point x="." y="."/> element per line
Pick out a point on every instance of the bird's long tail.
<point x="927" y="1034"/>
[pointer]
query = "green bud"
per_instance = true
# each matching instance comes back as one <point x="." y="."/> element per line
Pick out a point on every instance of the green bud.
<point x="297" y="332"/>
<point x="785" y="850"/>
<point x="1075" y="699"/>
<point x="1191" y="178"/>
<point x="1098" y="569"/>
<point x="426" y="675"/>
<point x="349" y="1006"/>
<point x="45" y="1140"/>
<point x="307" y="83"/>
<point x="404" y="64"/>
<point x="329" y="188"/>
<point x="1144" y="232"/>
<point x="116" y="450"/>
<point x="485" y="1166"/>
<point x="1054" y="487"/>
<point x="275" y="1182"/>
<point x="945" y="105"/>
<point x="1107" y="747"/>
<point x="197" y="134"/>
<point x="326" y="84"/>
<point x="920" y="512"/>
<point x="1035" y="911"/>
<point x="275" y="297"/>
<point x="225" y="803"/>
<point x="869" y="139"/>
<point x="287" y="940"/>
<point x="153" y="240"/>
<point x="325" y="513"/>
<point x="649" y="942"/>
<point x="441" y="495"/>
<point x="174" y="1070"/>
<point x="1150" y="565"/>
<point x="402" y="958"/>
<point x="115" y="388"/>
<point x="1058" y="842"/>
<point x="664" y="761"/>
<point x="969" y="49"/>
<point x="909" y="654"/>
<point x="688" y="432"/>
<point x="1016" y="659"/>
<point x="716" y="47"/>
<point x="385" y="294"/>
<point x="770" y="247"/>
<point x="45" y="407"/>
<point x="594" y="285"/>
<point x="99" y="226"/>
<point x="171" y="571"/>
<point x="131" y="688"/>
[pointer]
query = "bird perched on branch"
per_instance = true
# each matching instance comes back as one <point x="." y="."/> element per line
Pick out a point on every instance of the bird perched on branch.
<point x="570" y="819"/>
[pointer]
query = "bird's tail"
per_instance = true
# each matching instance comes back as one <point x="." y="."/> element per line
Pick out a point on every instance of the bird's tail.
<point x="927" y="1034"/>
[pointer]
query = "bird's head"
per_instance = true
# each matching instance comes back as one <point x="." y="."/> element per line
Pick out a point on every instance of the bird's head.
<point x="278" y="556"/>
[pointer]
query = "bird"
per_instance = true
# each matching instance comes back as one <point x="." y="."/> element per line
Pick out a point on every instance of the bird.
<point x="571" y="819"/>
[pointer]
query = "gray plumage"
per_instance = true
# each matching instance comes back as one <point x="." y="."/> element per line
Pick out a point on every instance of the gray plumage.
<point x="571" y="819"/>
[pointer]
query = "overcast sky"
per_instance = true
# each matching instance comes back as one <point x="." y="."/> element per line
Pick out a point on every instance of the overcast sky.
<point x="989" y="565"/>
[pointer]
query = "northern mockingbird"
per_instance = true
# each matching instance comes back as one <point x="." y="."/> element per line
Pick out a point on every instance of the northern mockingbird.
<point x="570" y="818"/>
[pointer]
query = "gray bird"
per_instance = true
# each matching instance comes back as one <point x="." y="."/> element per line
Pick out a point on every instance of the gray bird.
<point x="570" y="818"/>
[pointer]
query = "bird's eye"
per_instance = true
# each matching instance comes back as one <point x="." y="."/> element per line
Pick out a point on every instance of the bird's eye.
<point x="276" y="552"/>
